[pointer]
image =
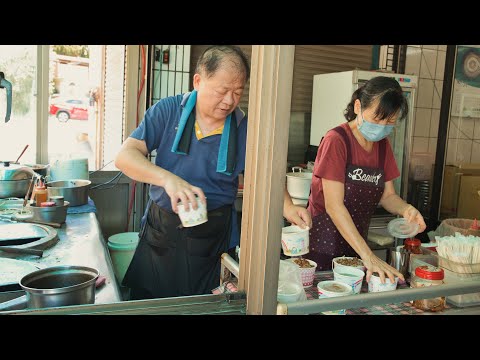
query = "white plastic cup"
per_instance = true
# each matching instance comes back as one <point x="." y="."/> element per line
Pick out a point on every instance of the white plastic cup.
<point x="295" y="240"/>
<point x="337" y="265"/>
<point x="375" y="285"/>
<point x="327" y="289"/>
<point x="308" y="274"/>
<point x="193" y="217"/>
<point x="289" y="292"/>
<point x="350" y="276"/>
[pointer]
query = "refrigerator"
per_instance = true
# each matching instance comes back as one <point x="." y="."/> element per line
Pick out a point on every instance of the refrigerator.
<point x="331" y="94"/>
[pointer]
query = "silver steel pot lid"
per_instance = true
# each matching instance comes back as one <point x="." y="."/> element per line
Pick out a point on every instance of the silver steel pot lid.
<point x="10" y="171"/>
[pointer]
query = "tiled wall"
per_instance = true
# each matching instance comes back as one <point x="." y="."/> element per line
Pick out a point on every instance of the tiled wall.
<point x="428" y="63"/>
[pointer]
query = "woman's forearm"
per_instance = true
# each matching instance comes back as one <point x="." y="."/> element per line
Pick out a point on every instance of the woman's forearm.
<point x="394" y="204"/>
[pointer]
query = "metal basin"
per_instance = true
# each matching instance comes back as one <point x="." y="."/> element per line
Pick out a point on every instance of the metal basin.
<point x="60" y="286"/>
<point x="13" y="188"/>
<point x="73" y="191"/>
<point x="53" y="214"/>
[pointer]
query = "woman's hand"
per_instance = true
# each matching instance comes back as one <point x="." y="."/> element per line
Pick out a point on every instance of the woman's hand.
<point x="374" y="264"/>
<point x="179" y="189"/>
<point x="297" y="215"/>
<point x="413" y="215"/>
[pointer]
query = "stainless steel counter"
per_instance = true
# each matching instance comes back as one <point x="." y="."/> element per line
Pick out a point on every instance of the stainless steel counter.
<point x="80" y="243"/>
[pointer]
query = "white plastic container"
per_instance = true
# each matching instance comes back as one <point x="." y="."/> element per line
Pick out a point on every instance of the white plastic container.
<point x="337" y="265"/>
<point x="308" y="273"/>
<point x="350" y="276"/>
<point x="295" y="240"/>
<point x="375" y="285"/>
<point x="289" y="292"/>
<point x="193" y="217"/>
<point x="327" y="289"/>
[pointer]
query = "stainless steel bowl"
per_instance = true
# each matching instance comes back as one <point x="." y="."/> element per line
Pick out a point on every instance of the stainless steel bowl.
<point x="73" y="191"/>
<point x="53" y="214"/>
<point x="13" y="188"/>
<point x="60" y="286"/>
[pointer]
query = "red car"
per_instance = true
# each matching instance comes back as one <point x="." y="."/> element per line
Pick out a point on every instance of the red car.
<point x="74" y="109"/>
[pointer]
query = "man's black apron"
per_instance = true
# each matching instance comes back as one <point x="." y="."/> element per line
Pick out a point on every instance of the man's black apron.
<point x="364" y="188"/>
<point x="171" y="260"/>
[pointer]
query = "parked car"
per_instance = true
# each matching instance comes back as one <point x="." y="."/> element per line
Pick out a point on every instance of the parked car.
<point x="65" y="109"/>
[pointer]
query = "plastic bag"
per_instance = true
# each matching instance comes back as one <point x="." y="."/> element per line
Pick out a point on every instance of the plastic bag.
<point x="290" y="287"/>
<point x="449" y="227"/>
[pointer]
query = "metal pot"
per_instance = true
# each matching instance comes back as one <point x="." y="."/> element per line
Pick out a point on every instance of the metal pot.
<point x="298" y="183"/>
<point x="60" y="286"/>
<point x="73" y="191"/>
<point x="14" y="179"/>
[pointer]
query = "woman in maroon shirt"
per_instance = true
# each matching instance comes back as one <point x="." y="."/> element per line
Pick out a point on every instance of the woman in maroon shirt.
<point x="354" y="172"/>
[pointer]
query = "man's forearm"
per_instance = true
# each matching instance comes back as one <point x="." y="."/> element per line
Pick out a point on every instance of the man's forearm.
<point x="137" y="167"/>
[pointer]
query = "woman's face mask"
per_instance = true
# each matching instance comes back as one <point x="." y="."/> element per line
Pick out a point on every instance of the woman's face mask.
<point x="372" y="131"/>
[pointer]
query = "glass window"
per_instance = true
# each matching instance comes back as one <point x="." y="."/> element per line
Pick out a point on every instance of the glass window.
<point x="19" y="65"/>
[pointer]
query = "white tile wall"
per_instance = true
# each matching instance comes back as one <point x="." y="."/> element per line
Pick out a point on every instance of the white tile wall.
<point x="437" y="94"/>
<point x="428" y="64"/>
<point x="425" y="93"/>
<point x="432" y="146"/>
<point x="476" y="152"/>
<point x="422" y="122"/>
<point x="434" y="121"/>
<point x="476" y="130"/>
<point x="440" y="69"/>
<point x="420" y="144"/>
<point x="412" y="63"/>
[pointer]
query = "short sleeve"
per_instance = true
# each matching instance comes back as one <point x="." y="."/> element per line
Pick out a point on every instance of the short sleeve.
<point x="390" y="168"/>
<point x="154" y="122"/>
<point x="331" y="160"/>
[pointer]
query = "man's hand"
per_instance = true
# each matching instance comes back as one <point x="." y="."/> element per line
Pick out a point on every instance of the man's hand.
<point x="179" y="189"/>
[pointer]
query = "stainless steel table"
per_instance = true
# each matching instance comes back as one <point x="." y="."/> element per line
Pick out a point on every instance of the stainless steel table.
<point x="80" y="243"/>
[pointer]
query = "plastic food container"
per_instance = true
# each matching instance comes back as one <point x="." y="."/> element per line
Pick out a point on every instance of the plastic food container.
<point x="295" y="240"/>
<point x="402" y="229"/>
<point x="193" y="217"/>
<point x="428" y="275"/>
<point x="307" y="273"/>
<point x="343" y="262"/>
<point x="375" y="284"/>
<point x="327" y="289"/>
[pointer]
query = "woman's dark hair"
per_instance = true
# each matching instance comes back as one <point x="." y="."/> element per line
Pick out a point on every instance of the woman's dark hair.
<point x="214" y="55"/>
<point x="389" y="93"/>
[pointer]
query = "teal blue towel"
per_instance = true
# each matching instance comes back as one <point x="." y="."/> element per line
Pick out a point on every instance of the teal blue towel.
<point x="227" y="152"/>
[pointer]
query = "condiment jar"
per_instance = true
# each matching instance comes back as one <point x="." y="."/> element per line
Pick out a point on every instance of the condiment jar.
<point x="413" y="246"/>
<point x="40" y="193"/>
<point x="428" y="275"/>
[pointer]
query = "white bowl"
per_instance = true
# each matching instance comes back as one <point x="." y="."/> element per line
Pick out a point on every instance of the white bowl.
<point x="193" y="217"/>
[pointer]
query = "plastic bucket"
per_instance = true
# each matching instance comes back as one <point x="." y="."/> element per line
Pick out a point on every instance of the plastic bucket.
<point x="327" y="289"/>
<point x="122" y="247"/>
<point x="350" y="276"/>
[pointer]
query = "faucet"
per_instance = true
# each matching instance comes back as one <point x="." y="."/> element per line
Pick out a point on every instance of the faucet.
<point x="4" y="83"/>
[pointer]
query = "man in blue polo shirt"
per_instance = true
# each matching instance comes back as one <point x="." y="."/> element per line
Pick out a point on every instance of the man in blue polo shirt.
<point x="200" y="140"/>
